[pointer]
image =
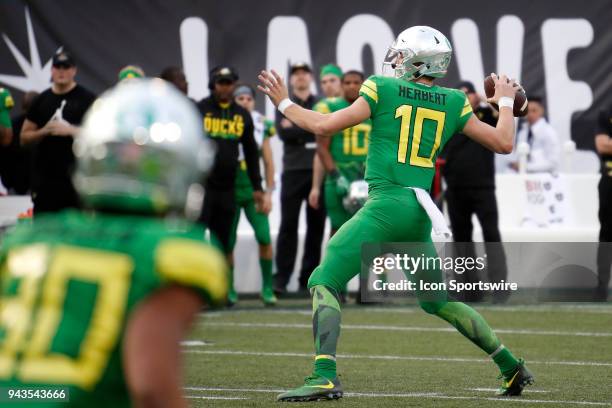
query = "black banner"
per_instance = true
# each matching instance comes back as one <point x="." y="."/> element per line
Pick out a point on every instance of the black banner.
<point x="558" y="49"/>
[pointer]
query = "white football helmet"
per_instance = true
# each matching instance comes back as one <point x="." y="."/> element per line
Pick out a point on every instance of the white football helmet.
<point x="142" y="149"/>
<point x="418" y="51"/>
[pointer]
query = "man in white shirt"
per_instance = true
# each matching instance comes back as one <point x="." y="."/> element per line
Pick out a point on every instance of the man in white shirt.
<point x="544" y="145"/>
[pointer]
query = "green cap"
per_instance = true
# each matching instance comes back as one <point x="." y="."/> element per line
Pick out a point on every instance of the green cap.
<point x="331" y="69"/>
<point x="131" y="71"/>
<point x="6" y="104"/>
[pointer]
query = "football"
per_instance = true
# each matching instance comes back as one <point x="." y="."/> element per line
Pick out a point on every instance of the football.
<point x="520" y="100"/>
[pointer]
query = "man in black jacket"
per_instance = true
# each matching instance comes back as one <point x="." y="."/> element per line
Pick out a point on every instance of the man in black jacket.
<point x="299" y="147"/>
<point x="470" y="176"/>
<point x="230" y="126"/>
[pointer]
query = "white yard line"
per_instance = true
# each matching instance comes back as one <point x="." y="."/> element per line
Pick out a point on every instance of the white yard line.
<point x="405" y="328"/>
<point x="195" y="343"/>
<point x="529" y="390"/>
<point x="560" y="308"/>
<point x="211" y="397"/>
<point x="411" y="395"/>
<point x="388" y="357"/>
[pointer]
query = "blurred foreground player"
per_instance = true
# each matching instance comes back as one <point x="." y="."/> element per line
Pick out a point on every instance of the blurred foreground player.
<point x="98" y="302"/>
<point x="603" y="144"/>
<point x="411" y="120"/>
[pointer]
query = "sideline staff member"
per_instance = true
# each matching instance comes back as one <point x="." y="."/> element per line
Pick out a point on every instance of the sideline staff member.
<point x="52" y="122"/>
<point x="299" y="147"/>
<point x="228" y="124"/>
<point x="603" y="144"/>
<point x="470" y="175"/>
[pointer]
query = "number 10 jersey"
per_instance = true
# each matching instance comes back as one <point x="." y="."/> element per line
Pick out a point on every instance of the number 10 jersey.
<point x="411" y="123"/>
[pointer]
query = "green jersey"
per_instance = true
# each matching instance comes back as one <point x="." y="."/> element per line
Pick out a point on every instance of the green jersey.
<point x="411" y="123"/>
<point x="351" y="144"/>
<point x="6" y="104"/>
<point x="68" y="283"/>
<point x="263" y="128"/>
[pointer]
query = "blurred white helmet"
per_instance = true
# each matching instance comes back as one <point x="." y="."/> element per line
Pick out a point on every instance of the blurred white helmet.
<point x="142" y="149"/>
<point x="418" y="51"/>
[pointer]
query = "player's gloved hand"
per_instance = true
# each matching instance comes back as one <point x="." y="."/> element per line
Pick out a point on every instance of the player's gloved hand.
<point x="342" y="184"/>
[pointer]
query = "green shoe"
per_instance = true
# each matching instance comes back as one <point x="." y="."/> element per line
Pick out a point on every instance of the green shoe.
<point x="268" y="296"/>
<point x="232" y="297"/>
<point x="514" y="383"/>
<point x="315" y="388"/>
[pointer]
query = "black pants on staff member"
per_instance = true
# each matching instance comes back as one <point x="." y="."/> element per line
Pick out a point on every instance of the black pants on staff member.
<point x="462" y="203"/>
<point x="218" y="214"/>
<point x="604" y="255"/>
<point x="295" y="188"/>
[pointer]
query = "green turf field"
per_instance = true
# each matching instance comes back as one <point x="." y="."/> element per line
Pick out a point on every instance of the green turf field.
<point x="400" y="356"/>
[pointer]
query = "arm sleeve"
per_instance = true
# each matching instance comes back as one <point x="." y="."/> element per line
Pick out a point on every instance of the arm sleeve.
<point x="251" y="153"/>
<point x="369" y="91"/>
<point x="193" y="264"/>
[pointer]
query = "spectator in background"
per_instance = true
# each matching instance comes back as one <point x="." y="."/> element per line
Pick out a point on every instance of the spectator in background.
<point x="299" y="147"/>
<point x="175" y="76"/>
<point x="130" y="72"/>
<point x="544" y="145"/>
<point x="469" y="173"/>
<point x="229" y="125"/>
<point x="16" y="159"/>
<point x="6" y="129"/>
<point x="263" y="131"/>
<point x="51" y="124"/>
<point x="330" y="78"/>
<point x="603" y="144"/>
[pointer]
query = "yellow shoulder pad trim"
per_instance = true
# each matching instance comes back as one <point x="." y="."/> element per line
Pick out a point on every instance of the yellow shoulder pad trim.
<point x="191" y="263"/>
<point x="466" y="109"/>
<point x="371" y="84"/>
<point x="322" y="107"/>
<point x="369" y="92"/>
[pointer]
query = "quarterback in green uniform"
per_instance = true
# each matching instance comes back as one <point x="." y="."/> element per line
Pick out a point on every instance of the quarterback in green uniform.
<point x="97" y="302"/>
<point x="263" y="130"/>
<point x="412" y="119"/>
<point x="343" y="154"/>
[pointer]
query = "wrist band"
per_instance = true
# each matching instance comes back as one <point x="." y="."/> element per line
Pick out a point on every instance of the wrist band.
<point x="505" y="101"/>
<point x="284" y="104"/>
